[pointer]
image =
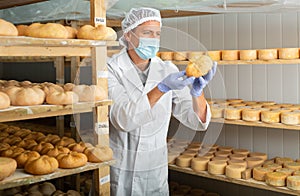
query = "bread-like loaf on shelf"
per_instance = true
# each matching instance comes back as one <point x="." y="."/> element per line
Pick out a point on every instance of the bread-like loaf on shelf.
<point x="247" y="55"/>
<point x="230" y="55"/>
<point x="24" y="156"/>
<point x="100" y="32"/>
<point x="4" y="101"/>
<point x="62" y="98"/>
<point x="71" y="160"/>
<point x="22" y="29"/>
<point x="88" y="93"/>
<point x="7" y="28"/>
<point x="77" y="147"/>
<point x="41" y="165"/>
<point x="49" y="30"/>
<point x="288" y="53"/>
<point x="199" y="66"/>
<point x="72" y="32"/>
<point x="98" y="153"/>
<point x="267" y="54"/>
<point x="53" y="152"/>
<point x="25" y="96"/>
<point x="8" y="167"/>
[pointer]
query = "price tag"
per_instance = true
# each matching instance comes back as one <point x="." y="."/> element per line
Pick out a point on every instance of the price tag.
<point x="100" y="21"/>
<point x="102" y="128"/>
<point x="104" y="179"/>
<point x="102" y="74"/>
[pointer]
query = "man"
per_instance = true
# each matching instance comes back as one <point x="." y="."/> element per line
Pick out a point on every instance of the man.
<point x="146" y="91"/>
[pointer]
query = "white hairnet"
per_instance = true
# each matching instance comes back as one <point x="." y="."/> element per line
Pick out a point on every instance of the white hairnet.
<point x="137" y="16"/>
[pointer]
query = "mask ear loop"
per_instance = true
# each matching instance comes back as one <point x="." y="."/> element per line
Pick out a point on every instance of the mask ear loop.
<point x="129" y="42"/>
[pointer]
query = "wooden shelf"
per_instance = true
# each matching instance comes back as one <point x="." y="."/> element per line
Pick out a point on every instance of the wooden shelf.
<point x="251" y="182"/>
<point x="20" y="178"/>
<point x="13" y="3"/>
<point x="254" y="62"/>
<point x="41" y="111"/>
<point x="256" y="124"/>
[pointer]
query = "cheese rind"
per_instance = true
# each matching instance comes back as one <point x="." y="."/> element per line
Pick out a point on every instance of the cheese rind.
<point x="288" y="53"/>
<point x="216" y="167"/>
<point x="251" y="114"/>
<point x="199" y="164"/>
<point x="229" y="55"/>
<point x="267" y="54"/>
<point x="275" y="178"/>
<point x="234" y="171"/>
<point x="290" y="118"/>
<point x="270" y="116"/>
<point x="293" y="182"/>
<point x="247" y="55"/>
<point x="260" y="172"/>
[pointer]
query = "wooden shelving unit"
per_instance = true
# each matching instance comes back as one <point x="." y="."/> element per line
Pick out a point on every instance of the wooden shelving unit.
<point x="251" y="182"/>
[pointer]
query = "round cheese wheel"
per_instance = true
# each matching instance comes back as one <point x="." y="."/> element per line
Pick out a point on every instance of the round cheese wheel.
<point x="234" y="171"/>
<point x="222" y="103"/>
<point x="275" y="178"/>
<point x="225" y="148"/>
<point x="293" y="182"/>
<point x="284" y="105"/>
<point x="272" y="166"/>
<point x="247" y="55"/>
<point x="192" y="55"/>
<point x="237" y="156"/>
<point x="253" y="162"/>
<point x="215" y="55"/>
<point x="288" y="53"/>
<point x="193" y="149"/>
<point x="261" y="155"/>
<point x="166" y="56"/>
<point x="184" y="188"/>
<point x="241" y="151"/>
<point x="199" y="67"/>
<point x="197" y="192"/>
<point x="184" y="160"/>
<point x="229" y="55"/>
<point x="231" y="101"/>
<point x="237" y="162"/>
<point x="206" y="155"/>
<point x="250" y="102"/>
<point x="231" y="113"/>
<point x="7" y="167"/>
<point x="237" y="104"/>
<point x="210" y="146"/>
<point x="216" y="167"/>
<point x="4" y="101"/>
<point x="267" y="102"/>
<point x="270" y="116"/>
<point x="180" y="56"/>
<point x="296" y="173"/>
<point x="222" y="153"/>
<point x="207" y="150"/>
<point x="199" y="163"/>
<point x="216" y="112"/>
<point x="287" y="171"/>
<point x="283" y="160"/>
<point x="290" y="118"/>
<point x="271" y="107"/>
<point x="194" y="145"/>
<point x="220" y="159"/>
<point x="256" y="105"/>
<point x="267" y="54"/>
<point x="190" y="153"/>
<point x="7" y="28"/>
<point x="292" y="165"/>
<point x="251" y="114"/>
<point x="260" y="172"/>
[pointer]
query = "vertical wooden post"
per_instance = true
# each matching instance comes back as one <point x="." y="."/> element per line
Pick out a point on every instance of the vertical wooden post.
<point x="98" y="12"/>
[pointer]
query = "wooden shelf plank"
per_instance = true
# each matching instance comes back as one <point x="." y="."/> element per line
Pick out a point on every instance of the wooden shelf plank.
<point x="41" y="111"/>
<point x="20" y="178"/>
<point x="251" y="182"/>
<point x="13" y="3"/>
<point x="256" y="124"/>
<point x="253" y="62"/>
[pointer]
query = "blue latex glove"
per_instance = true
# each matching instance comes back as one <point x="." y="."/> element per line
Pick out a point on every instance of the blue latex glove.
<point x="174" y="81"/>
<point x="200" y="83"/>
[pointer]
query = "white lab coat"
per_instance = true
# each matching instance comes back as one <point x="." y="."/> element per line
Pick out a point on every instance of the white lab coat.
<point x="137" y="132"/>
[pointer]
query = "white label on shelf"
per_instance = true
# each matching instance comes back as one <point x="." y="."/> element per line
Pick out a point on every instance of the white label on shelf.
<point x="104" y="179"/>
<point x="102" y="74"/>
<point x="100" y="21"/>
<point x="102" y="128"/>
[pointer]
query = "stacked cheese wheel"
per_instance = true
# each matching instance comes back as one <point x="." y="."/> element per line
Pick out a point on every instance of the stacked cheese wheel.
<point x="181" y="189"/>
<point x="40" y="154"/>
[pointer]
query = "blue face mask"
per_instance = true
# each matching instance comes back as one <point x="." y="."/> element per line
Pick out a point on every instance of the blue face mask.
<point x="148" y="47"/>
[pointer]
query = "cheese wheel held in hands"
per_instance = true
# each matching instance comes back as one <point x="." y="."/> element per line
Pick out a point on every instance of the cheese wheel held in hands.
<point x="199" y="66"/>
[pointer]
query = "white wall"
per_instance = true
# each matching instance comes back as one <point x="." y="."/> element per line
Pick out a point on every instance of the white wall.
<point x="278" y="83"/>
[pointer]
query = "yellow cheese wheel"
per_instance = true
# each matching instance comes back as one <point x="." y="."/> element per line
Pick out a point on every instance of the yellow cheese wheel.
<point x="250" y="102"/>
<point x="237" y="156"/>
<point x="195" y="149"/>
<point x="7" y="167"/>
<point x="207" y="150"/>
<point x="215" y="55"/>
<point x="192" y="55"/>
<point x="222" y="153"/>
<point x="234" y="171"/>
<point x="241" y="151"/>
<point x="267" y="54"/>
<point x="256" y="105"/>
<point x="272" y="166"/>
<point x="206" y="155"/>
<point x="225" y="148"/>
<point x="237" y="104"/>
<point x="166" y="56"/>
<point x="272" y="107"/>
<point x="216" y="112"/>
<point x="283" y="160"/>
<point x="260" y="172"/>
<point x="190" y="153"/>
<point x="237" y="162"/>
<point x="210" y="146"/>
<point x="270" y="116"/>
<point x="184" y="160"/>
<point x="231" y="101"/>
<point x="253" y="162"/>
<point x="220" y="159"/>
<point x="267" y="102"/>
<point x="261" y="155"/>
<point x="199" y="66"/>
<point x="229" y="55"/>
<point x="231" y="113"/>
<point x="199" y="163"/>
<point x="290" y="118"/>
<point x="288" y="53"/>
<point x="247" y="55"/>
<point x="287" y="171"/>
<point x="296" y="173"/>
<point x="275" y="178"/>
<point x="216" y="167"/>
<point x="180" y="56"/>
<point x="293" y="182"/>
<point x="292" y="165"/>
<point x="251" y="114"/>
